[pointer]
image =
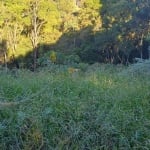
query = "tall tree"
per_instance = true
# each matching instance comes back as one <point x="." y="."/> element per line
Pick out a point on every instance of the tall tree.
<point x="39" y="14"/>
<point x="11" y="23"/>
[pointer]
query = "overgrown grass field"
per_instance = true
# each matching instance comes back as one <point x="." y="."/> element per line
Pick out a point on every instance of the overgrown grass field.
<point x="97" y="107"/>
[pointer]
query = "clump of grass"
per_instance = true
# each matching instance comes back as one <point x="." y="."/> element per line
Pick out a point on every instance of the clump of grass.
<point x="139" y="68"/>
<point x="99" y="108"/>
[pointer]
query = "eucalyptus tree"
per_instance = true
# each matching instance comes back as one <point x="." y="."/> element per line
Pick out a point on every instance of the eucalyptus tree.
<point x="11" y="24"/>
<point x="38" y="16"/>
<point x="142" y="22"/>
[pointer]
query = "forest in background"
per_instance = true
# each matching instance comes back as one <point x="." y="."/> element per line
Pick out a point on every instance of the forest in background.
<point x="34" y="33"/>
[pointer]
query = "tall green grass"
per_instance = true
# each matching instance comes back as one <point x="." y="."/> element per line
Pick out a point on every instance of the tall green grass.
<point x="103" y="107"/>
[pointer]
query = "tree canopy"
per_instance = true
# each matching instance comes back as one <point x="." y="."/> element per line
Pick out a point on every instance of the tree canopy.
<point x="95" y="30"/>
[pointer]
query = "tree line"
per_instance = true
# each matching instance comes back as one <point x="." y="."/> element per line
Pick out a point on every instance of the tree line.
<point x="92" y="30"/>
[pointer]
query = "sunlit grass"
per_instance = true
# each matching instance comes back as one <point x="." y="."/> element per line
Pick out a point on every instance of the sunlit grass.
<point x="100" y="108"/>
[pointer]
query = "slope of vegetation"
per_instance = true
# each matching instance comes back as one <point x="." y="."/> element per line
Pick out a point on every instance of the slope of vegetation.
<point x="60" y="107"/>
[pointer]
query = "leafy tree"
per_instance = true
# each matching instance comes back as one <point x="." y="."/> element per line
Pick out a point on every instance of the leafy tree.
<point x="89" y="14"/>
<point x="11" y="23"/>
<point x="38" y="13"/>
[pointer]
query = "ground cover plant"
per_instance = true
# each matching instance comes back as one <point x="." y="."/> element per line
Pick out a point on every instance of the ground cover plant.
<point x="59" y="107"/>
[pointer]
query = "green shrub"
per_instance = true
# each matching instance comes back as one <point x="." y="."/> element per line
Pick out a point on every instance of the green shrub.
<point x="53" y="56"/>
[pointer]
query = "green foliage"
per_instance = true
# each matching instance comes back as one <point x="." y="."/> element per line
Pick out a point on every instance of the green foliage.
<point x="61" y="58"/>
<point x="95" y="30"/>
<point x="100" y="108"/>
<point x="139" y="68"/>
<point x="72" y="59"/>
<point x="89" y="15"/>
<point x="53" y="57"/>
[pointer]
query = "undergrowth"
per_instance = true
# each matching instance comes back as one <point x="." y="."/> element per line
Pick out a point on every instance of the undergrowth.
<point x="101" y="107"/>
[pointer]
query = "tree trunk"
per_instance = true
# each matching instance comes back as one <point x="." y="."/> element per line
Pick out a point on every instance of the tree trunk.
<point x="141" y="53"/>
<point x="5" y="61"/>
<point x="149" y="52"/>
<point x="141" y="44"/>
<point x="34" y="58"/>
